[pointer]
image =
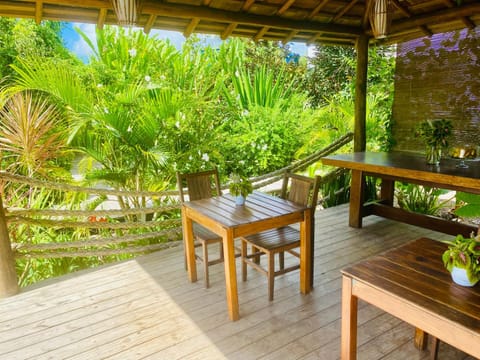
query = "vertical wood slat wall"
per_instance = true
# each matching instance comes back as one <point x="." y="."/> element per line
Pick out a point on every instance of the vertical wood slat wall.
<point x="438" y="77"/>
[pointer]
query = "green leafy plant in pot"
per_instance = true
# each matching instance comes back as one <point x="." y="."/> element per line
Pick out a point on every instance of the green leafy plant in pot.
<point x="462" y="258"/>
<point x="240" y="187"/>
<point x="435" y="134"/>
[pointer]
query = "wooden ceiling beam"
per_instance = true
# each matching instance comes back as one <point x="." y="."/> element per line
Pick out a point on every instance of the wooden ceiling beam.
<point x="280" y="11"/>
<point x="424" y="29"/>
<point x="289" y="37"/>
<point x="401" y="8"/>
<point x="259" y="35"/>
<point x="469" y="23"/>
<point x="94" y="4"/>
<point x="102" y="15"/>
<point x="228" y="31"/>
<point x="247" y="5"/>
<point x="149" y="25"/>
<point x="188" y="12"/>
<point x="38" y="11"/>
<point x="345" y="9"/>
<point x="435" y="17"/>
<point x="191" y="27"/>
<point x="466" y="20"/>
<point x="317" y="9"/>
<point x="285" y="7"/>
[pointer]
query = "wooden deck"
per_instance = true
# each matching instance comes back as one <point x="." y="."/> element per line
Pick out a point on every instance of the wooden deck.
<point x="146" y="308"/>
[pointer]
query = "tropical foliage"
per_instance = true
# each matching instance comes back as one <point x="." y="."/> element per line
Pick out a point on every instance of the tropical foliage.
<point x="140" y="109"/>
<point x="30" y="139"/>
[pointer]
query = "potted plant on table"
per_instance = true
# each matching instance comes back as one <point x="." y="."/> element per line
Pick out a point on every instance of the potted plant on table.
<point x="462" y="258"/>
<point x="436" y="134"/>
<point x="240" y="187"/>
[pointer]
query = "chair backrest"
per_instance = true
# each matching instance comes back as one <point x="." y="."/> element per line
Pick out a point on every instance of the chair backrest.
<point x="200" y="185"/>
<point x="300" y="189"/>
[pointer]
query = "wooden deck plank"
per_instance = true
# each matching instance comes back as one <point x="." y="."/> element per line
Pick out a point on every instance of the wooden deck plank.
<point x="146" y="308"/>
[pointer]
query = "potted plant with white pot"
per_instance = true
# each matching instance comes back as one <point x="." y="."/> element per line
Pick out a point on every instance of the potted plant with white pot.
<point x="240" y="187"/>
<point x="462" y="258"/>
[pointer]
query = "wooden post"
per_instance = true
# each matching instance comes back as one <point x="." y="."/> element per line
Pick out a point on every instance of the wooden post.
<point x="8" y="275"/>
<point x="360" y="136"/>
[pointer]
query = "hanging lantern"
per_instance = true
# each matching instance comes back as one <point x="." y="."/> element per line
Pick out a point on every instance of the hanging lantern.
<point x="127" y="11"/>
<point x="379" y="18"/>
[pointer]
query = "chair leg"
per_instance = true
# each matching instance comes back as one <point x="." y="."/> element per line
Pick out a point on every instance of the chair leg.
<point x="256" y="259"/>
<point x="205" y="264"/>
<point x="243" y="255"/>
<point x="281" y="260"/>
<point x="271" y="275"/>
<point x="185" y="259"/>
<point x="221" y="250"/>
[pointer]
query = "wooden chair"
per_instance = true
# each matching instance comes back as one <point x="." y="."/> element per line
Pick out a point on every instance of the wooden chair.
<point x="202" y="185"/>
<point x="296" y="188"/>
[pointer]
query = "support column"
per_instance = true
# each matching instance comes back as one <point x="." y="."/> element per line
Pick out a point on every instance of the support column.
<point x="360" y="136"/>
<point x="8" y="275"/>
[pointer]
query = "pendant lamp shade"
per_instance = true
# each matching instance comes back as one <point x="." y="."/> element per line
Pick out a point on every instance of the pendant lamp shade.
<point x="379" y="18"/>
<point x="127" y="11"/>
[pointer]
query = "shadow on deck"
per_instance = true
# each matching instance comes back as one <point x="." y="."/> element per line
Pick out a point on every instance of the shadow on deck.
<point x="146" y="308"/>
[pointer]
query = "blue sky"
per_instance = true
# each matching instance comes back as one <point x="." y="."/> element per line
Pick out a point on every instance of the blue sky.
<point x="81" y="49"/>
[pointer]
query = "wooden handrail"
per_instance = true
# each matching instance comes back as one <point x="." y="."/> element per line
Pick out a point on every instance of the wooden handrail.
<point x="104" y="230"/>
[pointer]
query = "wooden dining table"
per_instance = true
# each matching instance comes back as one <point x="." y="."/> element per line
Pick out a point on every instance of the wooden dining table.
<point x="409" y="168"/>
<point x="260" y="212"/>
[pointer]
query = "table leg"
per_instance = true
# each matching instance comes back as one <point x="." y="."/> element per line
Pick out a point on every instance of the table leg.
<point x="312" y="249"/>
<point x="357" y="188"/>
<point x="189" y="246"/>
<point x="230" y="275"/>
<point x="349" y="320"/>
<point x="305" y="250"/>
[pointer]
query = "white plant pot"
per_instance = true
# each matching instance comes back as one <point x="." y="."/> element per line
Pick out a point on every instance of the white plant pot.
<point x="459" y="276"/>
<point x="239" y="200"/>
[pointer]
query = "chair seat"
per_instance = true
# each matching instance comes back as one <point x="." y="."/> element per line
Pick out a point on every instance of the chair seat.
<point x="203" y="234"/>
<point x="275" y="240"/>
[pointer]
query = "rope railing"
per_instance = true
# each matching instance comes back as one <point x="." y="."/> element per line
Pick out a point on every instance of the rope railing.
<point x="103" y="232"/>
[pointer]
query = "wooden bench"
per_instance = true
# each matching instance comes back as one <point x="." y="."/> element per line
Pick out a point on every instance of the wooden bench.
<point x="411" y="283"/>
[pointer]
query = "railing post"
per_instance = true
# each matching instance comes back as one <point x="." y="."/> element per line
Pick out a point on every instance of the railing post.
<point x="8" y="275"/>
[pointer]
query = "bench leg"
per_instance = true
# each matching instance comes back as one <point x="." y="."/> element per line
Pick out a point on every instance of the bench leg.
<point x="349" y="321"/>
<point x="421" y="338"/>
<point x="434" y="348"/>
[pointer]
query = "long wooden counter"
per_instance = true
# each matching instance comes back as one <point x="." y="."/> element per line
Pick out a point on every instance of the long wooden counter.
<point x="410" y="168"/>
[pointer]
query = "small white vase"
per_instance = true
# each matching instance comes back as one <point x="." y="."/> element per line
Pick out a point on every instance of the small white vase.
<point x="459" y="276"/>
<point x="239" y="200"/>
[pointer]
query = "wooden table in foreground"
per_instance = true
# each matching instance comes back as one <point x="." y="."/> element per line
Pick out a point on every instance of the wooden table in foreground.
<point x="260" y="212"/>
<point x="410" y="168"/>
<point x="411" y="283"/>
